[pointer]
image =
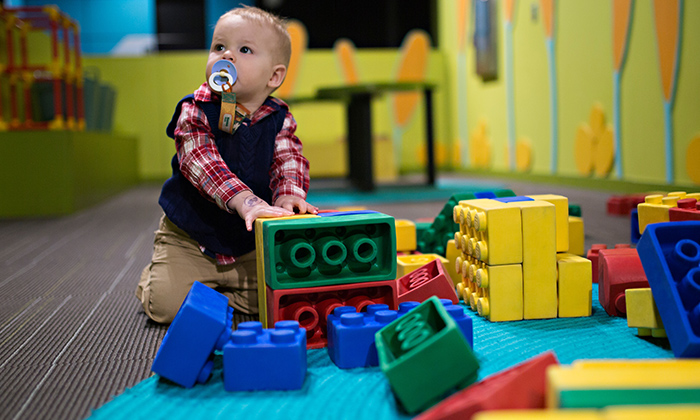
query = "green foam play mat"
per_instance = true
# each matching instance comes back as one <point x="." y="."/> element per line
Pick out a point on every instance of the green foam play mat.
<point x="333" y="393"/>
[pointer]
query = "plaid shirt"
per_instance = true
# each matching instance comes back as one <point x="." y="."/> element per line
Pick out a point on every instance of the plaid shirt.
<point x="203" y="166"/>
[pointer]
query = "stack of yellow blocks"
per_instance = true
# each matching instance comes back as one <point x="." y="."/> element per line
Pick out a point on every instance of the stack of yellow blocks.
<point x="514" y="262"/>
<point x="655" y="207"/>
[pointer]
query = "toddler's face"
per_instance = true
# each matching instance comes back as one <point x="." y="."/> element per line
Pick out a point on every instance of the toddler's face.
<point x="251" y="47"/>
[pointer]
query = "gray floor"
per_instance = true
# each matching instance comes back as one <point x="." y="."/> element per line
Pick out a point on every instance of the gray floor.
<point x="72" y="334"/>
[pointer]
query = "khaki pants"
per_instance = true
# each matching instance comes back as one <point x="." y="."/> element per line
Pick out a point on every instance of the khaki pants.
<point x="177" y="263"/>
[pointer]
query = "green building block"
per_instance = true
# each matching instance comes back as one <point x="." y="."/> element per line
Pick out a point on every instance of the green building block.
<point x="424" y="356"/>
<point x="322" y="251"/>
<point x="434" y="239"/>
<point x="574" y="210"/>
<point x="599" y="398"/>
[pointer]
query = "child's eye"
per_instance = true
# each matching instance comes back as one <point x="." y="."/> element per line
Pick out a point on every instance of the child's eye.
<point x="218" y="47"/>
<point x="245" y="50"/>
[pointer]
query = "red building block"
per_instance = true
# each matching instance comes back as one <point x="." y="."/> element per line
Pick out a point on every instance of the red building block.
<point x="618" y="270"/>
<point x="311" y="306"/>
<point x="520" y="387"/>
<point x="593" y="256"/>
<point x="430" y="280"/>
<point x="623" y="204"/>
<point x="688" y="209"/>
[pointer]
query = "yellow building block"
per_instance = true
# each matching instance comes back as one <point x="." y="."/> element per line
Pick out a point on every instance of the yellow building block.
<point x="452" y="254"/>
<point x="408" y="263"/>
<point x="539" y="258"/>
<point x="405" y="235"/>
<point x="636" y="412"/>
<point x="652" y="210"/>
<point x="653" y="412"/>
<point x="493" y="231"/>
<point x="635" y="375"/>
<point x="536" y="414"/>
<point x="642" y="313"/>
<point x="502" y="287"/>
<point x="574" y="285"/>
<point x="577" y="236"/>
<point x="561" y="205"/>
<point x="260" y="263"/>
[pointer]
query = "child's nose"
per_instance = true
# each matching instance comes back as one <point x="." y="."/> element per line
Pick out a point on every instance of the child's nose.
<point x="229" y="55"/>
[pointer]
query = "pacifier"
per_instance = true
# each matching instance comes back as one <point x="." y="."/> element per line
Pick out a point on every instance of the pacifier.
<point x="223" y="76"/>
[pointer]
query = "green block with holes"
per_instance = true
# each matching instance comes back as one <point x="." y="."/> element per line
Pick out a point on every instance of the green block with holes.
<point x="323" y="251"/>
<point x="425" y="356"/>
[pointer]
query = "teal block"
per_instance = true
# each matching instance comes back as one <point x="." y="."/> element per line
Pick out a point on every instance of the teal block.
<point x="323" y="251"/>
<point x="600" y="398"/>
<point x="424" y="355"/>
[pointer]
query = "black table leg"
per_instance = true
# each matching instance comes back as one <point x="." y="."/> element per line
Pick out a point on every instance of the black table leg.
<point x="430" y="152"/>
<point x="359" y="116"/>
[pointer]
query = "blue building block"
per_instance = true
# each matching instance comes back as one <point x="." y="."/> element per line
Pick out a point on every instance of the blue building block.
<point x="634" y="227"/>
<point x="670" y="254"/>
<point x="464" y="321"/>
<point x="514" y="199"/>
<point x="351" y="338"/>
<point x="404" y="307"/>
<point x="335" y="316"/>
<point x="346" y="213"/>
<point x="485" y="194"/>
<point x="202" y="325"/>
<point x="257" y="359"/>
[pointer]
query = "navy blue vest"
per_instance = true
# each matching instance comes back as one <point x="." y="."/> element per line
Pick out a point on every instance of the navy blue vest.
<point x="248" y="153"/>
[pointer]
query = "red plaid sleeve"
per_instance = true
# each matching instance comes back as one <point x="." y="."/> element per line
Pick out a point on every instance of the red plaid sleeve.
<point x="290" y="169"/>
<point x="200" y="160"/>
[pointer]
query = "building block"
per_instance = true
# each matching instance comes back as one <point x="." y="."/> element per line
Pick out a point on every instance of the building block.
<point x="426" y="281"/>
<point x="405" y="235"/>
<point x="688" y="209"/>
<point x="618" y="270"/>
<point x="501" y="297"/>
<point x="622" y="205"/>
<point x="577" y="236"/>
<point x="311" y="306"/>
<point x="561" y="205"/>
<point x="574" y="285"/>
<point x="655" y="207"/>
<point x="270" y="359"/>
<point x="514" y="199"/>
<point x="519" y="387"/>
<point x="642" y="412"/>
<point x="335" y="315"/>
<point x="464" y="322"/>
<point x="634" y="227"/>
<point x="539" y="258"/>
<point x="592" y="255"/>
<point x="492" y="231"/>
<point x="575" y="210"/>
<point x="643" y="314"/>
<point x="670" y="254"/>
<point x="427" y="336"/>
<point x="444" y="226"/>
<point x="406" y="264"/>
<point x="351" y="338"/>
<point x="260" y="263"/>
<point x="202" y="324"/>
<point x="322" y="251"/>
<point x="451" y="255"/>
<point x="601" y="383"/>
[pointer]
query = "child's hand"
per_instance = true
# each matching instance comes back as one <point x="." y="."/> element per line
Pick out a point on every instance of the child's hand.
<point x="249" y="206"/>
<point x="291" y="202"/>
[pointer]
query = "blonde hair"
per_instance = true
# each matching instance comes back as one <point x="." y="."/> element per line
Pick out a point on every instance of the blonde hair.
<point x="277" y="24"/>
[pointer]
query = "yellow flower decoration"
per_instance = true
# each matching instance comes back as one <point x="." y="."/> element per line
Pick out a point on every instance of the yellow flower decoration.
<point x="594" y="146"/>
<point x="692" y="160"/>
<point x="480" y="147"/>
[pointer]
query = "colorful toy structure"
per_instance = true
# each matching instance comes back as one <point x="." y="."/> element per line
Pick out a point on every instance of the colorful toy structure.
<point x="514" y="261"/>
<point x="63" y="71"/>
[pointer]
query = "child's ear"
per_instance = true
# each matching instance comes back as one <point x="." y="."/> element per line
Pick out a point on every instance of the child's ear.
<point x="278" y="74"/>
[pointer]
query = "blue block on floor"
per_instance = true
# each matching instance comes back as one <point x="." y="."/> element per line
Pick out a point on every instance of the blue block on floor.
<point x="257" y="359"/>
<point x="514" y="199"/>
<point x="464" y="322"/>
<point x="634" y="227"/>
<point x="202" y="325"/>
<point x="351" y="337"/>
<point x="670" y="255"/>
<point x="337" y="312"/>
